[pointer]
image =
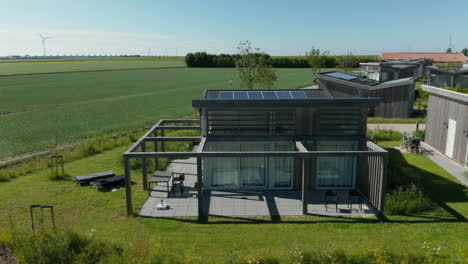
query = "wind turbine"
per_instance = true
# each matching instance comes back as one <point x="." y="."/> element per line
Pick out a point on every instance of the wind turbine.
<point x="43" y="43"/>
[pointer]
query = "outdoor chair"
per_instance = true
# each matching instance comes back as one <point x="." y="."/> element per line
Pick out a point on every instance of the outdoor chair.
<point x="178" y="181"/>
<point x="354" y="196"/>
<point x="331" y="197"/>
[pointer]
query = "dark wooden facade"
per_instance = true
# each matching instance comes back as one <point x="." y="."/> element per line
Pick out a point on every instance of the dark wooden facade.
<point x="443" y="106"/>
<point x="397" y="97"/>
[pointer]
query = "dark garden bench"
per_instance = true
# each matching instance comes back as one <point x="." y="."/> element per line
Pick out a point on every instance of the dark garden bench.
<point x="83" y="179"/>
<point x="107" y="182"/>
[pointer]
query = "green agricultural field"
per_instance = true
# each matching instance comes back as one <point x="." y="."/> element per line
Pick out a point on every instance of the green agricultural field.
<point x="82" y="208"/>
<point x="60" y="65"/>
<point x="36" y="108"/>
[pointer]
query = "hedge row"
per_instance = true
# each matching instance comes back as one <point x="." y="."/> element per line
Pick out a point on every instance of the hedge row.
<point x="203" y="59"/>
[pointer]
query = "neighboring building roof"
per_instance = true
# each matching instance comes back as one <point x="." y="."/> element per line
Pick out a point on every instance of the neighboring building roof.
<point x="460" y="97"/>
<point x="277" y="98"/>
<point x="435" y="56"/>
<point x="362" y="83"/>
<point x="454" y="72"/>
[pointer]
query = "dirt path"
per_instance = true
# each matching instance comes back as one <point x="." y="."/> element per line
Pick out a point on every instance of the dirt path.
<point x="34" y="153"/>
<point x="397" y="127"/>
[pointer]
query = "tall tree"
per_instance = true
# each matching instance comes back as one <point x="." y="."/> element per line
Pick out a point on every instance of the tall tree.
<point x="347" y="61"/>
<point x="254" y="68"/>
<point x="465" y="51"/>
<point x="317" y="60"/>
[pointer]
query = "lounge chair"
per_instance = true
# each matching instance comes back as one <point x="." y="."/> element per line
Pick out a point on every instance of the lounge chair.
<point x="106" y="182"/>
<point x="84" y="179"/>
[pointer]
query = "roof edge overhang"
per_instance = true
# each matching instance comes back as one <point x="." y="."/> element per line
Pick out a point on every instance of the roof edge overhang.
<point x="446" y="93"/>
<point x="330" y="102"/>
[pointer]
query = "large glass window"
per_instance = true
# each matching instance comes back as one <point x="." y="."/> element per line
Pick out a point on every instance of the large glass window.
<point x="281" y="169"/>
<point x="224" y="172"/>
<point x="336" y="172"/>
<point x="252" y="170"/>
<point x="249" y="172"/>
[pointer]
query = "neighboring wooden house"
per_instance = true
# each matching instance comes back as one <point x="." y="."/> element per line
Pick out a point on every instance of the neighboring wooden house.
<point x="393" y="70"/>
<point x="297" y="140"/>
<point x="447" y="123"/>
<point x="397" y="96"/>
<point x="448" y="78"/>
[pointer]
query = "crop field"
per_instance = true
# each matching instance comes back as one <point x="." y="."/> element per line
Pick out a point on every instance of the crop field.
<point x="36" y="67"/>
<point x="36" y="109"/>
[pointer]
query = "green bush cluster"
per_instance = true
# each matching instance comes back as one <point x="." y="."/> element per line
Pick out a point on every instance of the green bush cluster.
<point x="381" y="134"/>
<point x="406" y="200"/>
<point x="203" y="59"/>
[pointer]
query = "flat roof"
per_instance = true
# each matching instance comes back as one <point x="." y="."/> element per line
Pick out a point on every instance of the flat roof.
<point x="277" y="98"/>
<point x="355" y="81"/>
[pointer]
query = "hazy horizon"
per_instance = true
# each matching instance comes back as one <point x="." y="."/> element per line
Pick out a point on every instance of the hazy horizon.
<point x="173" y="29"/>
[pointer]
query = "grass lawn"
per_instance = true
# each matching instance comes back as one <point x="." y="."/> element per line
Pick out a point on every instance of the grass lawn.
<point x="22" y="68"/>
<point x="77" y="105"/>
<point x="83" y="208"/>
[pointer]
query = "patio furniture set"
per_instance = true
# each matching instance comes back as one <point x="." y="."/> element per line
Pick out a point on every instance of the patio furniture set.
<point x="164" y="177"/>
<point x="354" y="197"/>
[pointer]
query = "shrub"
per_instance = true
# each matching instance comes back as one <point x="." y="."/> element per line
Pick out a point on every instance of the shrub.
<point x="421" y="134"/>
<point x="381" y="134"/>
<point x="406" y="200"/>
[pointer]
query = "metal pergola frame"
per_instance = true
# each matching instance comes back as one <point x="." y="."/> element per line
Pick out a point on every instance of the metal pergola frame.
<point x="156" y="135"/>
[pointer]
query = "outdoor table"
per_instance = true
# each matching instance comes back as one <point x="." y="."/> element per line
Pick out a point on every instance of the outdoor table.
<point x="160" y="176"/>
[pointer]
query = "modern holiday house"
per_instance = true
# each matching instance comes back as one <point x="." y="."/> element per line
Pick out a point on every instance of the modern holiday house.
<point x="447" y="123"/>
<point x="274" y="140"/>
<point x="393" y="70"/>
<point x="443" y="78"/>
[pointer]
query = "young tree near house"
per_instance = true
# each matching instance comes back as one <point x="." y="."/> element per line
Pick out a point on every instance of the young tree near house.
<point x="254" y="68"/>
<point x="317" y="60"/>
<point x="347" y="61"/>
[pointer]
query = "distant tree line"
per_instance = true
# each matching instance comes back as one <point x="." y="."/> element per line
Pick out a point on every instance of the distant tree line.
<point x="203" y="59"/>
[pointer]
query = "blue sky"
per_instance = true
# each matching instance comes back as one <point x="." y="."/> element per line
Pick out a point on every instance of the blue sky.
<point x="277" y="27"/>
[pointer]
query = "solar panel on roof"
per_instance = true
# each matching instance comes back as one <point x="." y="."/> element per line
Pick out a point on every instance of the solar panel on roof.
<point x="240" y="95"/>
<point x="298" y="95"/>
<point x="283" y="95"/>
<point x="269" y="95"/>
<point x="340" y="75"/>
<point x="255" y="95"/>
<point x="226" y="95"/>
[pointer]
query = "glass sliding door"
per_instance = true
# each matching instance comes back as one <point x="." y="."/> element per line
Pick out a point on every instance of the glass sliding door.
<point x="336" y="172"/>
<point x="224" y="172"/>
<point x="281" y="169"/>
<point x="252" y="170"/>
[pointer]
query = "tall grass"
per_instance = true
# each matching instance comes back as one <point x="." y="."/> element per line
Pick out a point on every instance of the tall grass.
<point x="381" y="134"/>
<point x="66" y="247"/>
